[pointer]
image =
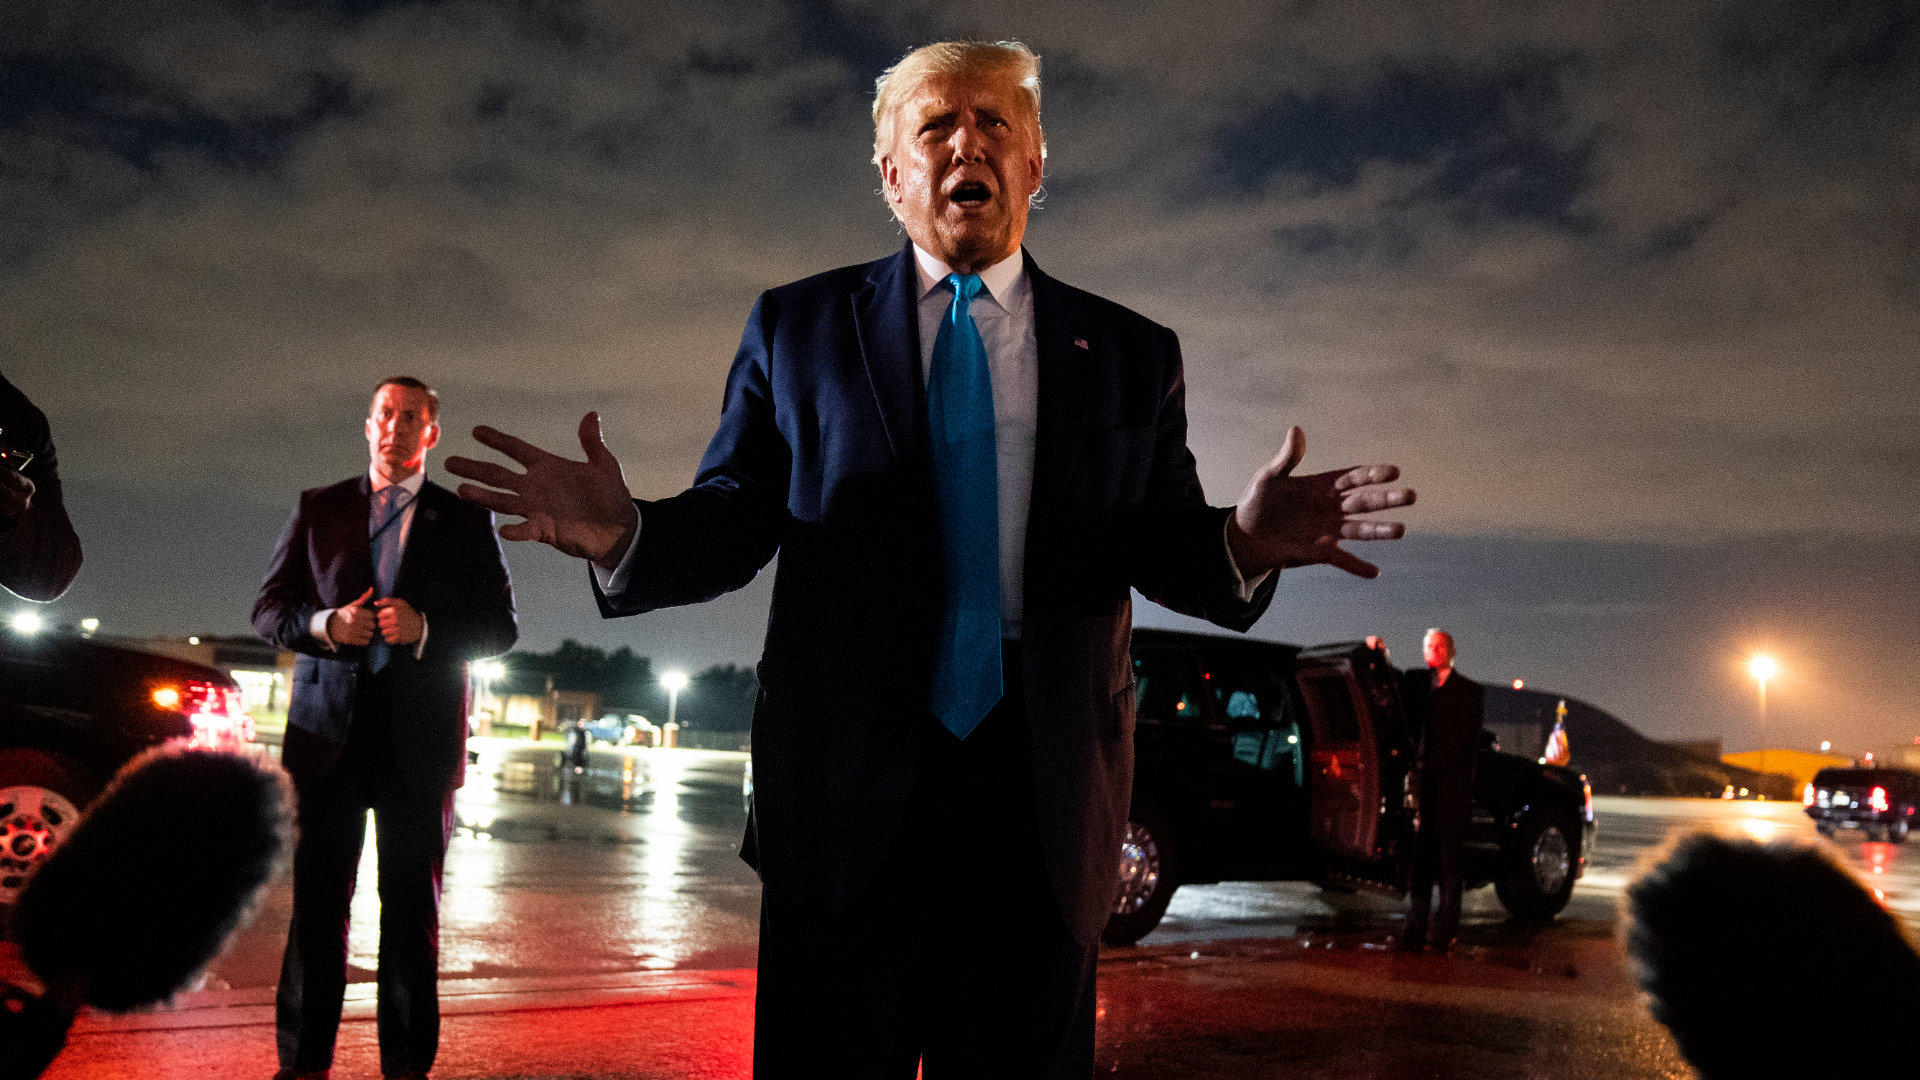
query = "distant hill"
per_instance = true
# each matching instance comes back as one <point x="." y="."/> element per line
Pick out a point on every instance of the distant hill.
<point x="1616" y="759"/>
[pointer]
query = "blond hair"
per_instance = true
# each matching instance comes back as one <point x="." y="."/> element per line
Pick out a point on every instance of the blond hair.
<point x="900" y="82"/>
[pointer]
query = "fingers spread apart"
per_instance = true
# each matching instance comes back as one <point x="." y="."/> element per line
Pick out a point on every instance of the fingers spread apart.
<point x="1372" y="530"/>
<point x="1371" y="499"/>
<point x="519" y="450"/>
<point x="485" y="472"/>
<point x="500" y="502"/>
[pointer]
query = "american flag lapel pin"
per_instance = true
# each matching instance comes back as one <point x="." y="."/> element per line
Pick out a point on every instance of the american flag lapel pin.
<point x="1081" y="343"/>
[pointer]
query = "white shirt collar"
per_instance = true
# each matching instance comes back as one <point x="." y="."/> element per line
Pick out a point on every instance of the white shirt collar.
<point x="411" y="484"/>
<point x="998" y="279"/>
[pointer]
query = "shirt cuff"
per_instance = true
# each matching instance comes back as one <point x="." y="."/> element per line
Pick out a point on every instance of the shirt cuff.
<point x="614" y="582"/>
<point x="421" y="645"/>
<point x="1247" y="588"/>
<point x="317" y="626"/>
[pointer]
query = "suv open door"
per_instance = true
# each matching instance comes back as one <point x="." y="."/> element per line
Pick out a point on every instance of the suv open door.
<point x="1364" y="808"/>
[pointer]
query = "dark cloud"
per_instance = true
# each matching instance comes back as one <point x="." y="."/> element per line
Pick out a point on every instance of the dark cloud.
<point x="99" y="104"/>
<point x="1496" y="140"/>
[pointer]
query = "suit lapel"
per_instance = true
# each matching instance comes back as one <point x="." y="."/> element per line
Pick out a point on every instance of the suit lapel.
<point x="344" y="549"/>
<point x="1066" y="363"/>
<point x="887" y="319"/>
<point x="420" y="533"/>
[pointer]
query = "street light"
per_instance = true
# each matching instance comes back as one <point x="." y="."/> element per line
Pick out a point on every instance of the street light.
<point x="89" y="626"/>
<point x="487" y="671"/>
<point x="674" y="681"/>
<point x="27" y="622"/>
<point x="1763" y="668"/>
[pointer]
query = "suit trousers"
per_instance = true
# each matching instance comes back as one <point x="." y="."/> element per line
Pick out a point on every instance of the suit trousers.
<point x="955" y="958"/>
<point x="410" y="842"/>
<point x="1440" y="858"/>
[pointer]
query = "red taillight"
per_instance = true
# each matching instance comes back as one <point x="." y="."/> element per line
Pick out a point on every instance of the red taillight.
<point x="1806" y="795"/>
<point x="1586" y="792"/>
<point x="217" y="712"/>
<point x="1878" y="800"/>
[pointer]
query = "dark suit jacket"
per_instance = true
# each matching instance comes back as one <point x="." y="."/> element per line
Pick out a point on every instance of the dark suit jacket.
<point x="39" y="553"/>
<point x="821" y="456"/>
<point x="452" y="572"/>
<point x="1447" y="723"/>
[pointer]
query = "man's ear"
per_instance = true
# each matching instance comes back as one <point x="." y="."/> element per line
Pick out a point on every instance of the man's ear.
<point x="430" y="438"/>
<point x="889" y="178"/>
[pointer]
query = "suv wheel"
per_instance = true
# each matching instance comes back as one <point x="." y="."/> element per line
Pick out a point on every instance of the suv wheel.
<point x="40" y="800"/>
<point x="1149" y="865"/>
<point x="1540" y="881"/>
<point x="1898" y="830"/>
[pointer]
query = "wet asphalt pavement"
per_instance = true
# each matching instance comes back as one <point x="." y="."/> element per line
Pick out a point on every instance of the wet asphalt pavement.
<point x="603" y="926"/>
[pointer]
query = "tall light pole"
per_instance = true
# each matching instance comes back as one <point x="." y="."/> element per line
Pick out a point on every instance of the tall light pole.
<point x="1762" y="668"/>
<point x="674" y="681"/>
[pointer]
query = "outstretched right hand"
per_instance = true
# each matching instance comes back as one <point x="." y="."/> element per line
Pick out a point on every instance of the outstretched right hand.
<point x="352" y="624"/>
<point x="579" y="508"/>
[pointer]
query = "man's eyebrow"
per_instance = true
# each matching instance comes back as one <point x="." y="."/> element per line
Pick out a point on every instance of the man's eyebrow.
<point x="936" y="112"/>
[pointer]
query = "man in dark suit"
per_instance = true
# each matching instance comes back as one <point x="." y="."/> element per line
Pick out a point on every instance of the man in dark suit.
<point x="963" y="465"/>
<point x="39" y="553"/>
<point x="1446" y="709"/>
<point x="387" y="585"/>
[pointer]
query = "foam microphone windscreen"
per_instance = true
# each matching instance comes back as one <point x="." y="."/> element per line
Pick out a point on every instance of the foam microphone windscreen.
<point x="1770" y="960"/>
<point x="168" y="862"/>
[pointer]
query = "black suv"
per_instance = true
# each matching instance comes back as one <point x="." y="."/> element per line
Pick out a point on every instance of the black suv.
<point x="1879" y="802"/>
<point x="1256" y="761"/>
<point x="72" y="711"/>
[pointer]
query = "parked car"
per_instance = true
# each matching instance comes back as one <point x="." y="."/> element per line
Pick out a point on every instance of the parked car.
<point x="1257" y="761"/>
<point x="72" y="711"/>
<point x="1878" y="802"/>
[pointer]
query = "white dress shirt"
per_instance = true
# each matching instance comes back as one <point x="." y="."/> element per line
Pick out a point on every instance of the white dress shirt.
<point x="1003" y="313"/>
<point x="317" y="626"/>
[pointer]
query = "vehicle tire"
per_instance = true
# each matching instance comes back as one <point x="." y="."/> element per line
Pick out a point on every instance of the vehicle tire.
<point x="1149" y="873"/>
<point x="1898" y="830"/>
<point x="1825" y="830"/>
<point x="41" y="796"/>
<point x="1540" y="880"/>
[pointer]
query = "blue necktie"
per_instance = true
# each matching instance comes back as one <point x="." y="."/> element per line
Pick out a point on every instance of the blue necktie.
<point x="966" y="468"/>
<point x="383" y="544"/>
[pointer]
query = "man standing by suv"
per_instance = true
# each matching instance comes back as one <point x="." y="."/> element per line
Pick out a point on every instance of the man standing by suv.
<point x="387" y="585"/>
<point x="1445" y="709"/>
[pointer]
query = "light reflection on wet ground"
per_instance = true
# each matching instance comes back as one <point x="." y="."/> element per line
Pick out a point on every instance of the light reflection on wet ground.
<point x="635" y="866"/>
<point x="1628" y="830"/>
<point x="632" y="866"/>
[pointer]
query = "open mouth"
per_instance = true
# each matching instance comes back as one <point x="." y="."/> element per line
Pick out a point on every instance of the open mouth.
<point x="971" y="193"/>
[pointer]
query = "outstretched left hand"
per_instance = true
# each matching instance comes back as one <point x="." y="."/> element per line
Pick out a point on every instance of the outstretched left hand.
<point x="1285" y="520"/>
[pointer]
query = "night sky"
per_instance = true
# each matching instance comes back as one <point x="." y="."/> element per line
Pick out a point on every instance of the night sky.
<point x="1631" y="291"/>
